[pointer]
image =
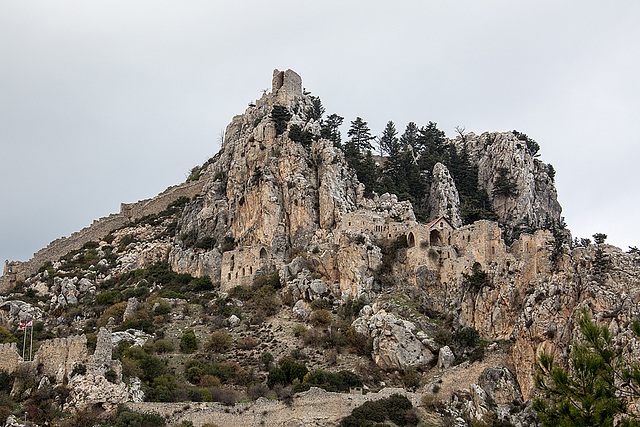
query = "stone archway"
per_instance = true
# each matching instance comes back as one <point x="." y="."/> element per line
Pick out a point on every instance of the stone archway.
<point x="435" y="238"/>
<point x="411" y="239"/>
<point x="263" y="253"/>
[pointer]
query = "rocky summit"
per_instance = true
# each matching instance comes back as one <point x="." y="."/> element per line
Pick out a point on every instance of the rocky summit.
<point x="279" y="285"/>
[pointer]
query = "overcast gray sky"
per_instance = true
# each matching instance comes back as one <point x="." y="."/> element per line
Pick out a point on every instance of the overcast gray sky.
<point x="104" y="102"/>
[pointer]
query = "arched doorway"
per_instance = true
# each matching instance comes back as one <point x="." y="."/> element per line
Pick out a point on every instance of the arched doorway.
<point x="435" y="238"/>
<point x="411" y="239"/>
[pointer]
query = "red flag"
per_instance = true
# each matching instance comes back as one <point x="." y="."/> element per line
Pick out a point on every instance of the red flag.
<point x="22" y="325"/>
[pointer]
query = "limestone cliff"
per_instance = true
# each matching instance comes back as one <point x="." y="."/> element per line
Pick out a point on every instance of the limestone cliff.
<point x="266" y="189"/>
<point x="532" y="199"/>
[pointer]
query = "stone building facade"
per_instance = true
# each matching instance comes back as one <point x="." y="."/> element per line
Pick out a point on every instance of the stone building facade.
<point x="240" y="266"/>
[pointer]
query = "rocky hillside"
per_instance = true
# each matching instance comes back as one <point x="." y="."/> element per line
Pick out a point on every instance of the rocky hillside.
<point x="280" y="278"/>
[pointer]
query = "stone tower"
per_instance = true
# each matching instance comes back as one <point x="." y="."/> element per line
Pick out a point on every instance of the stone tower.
<point x="286" y="86"/>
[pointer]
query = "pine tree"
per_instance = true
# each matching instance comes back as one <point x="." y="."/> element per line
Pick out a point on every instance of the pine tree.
<point x="360" y="135"/>
<point x="595" y="388"/>
<point x="389" y="142"/>
<point x="330" y="129"/>
<point x="410" y="136"/>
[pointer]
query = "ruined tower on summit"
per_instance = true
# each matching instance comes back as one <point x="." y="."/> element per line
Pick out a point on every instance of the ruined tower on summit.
<point x="286" y="86"/>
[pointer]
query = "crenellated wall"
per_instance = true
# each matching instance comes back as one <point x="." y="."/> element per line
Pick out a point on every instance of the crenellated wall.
<point x="18" y="270"/>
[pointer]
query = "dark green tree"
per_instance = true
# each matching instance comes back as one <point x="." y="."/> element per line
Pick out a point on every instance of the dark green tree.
<point x="601" y="261"/>
<point x="410" y="136"/>
<point x="360" y="135"/>
<point x="188" y="342"/>
<point x="280" y="116"/>
<point x="330" y="129"/>
<point x="594" y="391"/>
<point x="316" y="110"/>
<point x="504" y="184"/>
<point x="389" y="143"/>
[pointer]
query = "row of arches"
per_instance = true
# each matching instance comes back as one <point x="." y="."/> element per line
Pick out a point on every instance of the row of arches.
<point x="435" y="239"/>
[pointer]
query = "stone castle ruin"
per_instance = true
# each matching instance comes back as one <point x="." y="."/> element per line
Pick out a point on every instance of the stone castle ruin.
<point x="58" y="357"/>
<point x="240" y="266"/>
<point x="18" y="270"/>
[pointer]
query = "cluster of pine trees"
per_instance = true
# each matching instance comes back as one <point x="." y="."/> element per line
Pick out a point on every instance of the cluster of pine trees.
<point x="405" y="164"/>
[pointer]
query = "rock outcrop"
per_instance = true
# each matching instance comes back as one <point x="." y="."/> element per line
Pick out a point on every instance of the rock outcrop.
<point x="534" y="201"/>
<point x="395" y="344"/>
<point x="443" y="196"/>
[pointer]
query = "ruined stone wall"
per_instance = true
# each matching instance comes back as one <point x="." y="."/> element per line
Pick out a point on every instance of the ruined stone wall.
<point x="313" y="407"/>
<point x="371" y="222"/>
<point x="9" y="357"/>
<point x="97" y="230"/>
<point x="58" y="356"/>
<point x="242" y="265"/>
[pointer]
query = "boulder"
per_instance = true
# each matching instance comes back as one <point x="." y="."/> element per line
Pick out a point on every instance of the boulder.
<point x="395" y="345"/>
<point x="445" y="357"/>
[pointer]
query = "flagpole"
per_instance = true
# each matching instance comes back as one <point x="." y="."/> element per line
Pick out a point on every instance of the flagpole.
<point x="31" y="345"/>
<point x="24" y="344"/>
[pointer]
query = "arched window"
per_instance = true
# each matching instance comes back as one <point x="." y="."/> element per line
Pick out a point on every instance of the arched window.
<point x="263" y="253"/>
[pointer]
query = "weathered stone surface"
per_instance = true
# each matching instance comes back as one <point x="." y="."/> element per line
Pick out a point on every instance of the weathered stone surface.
<point x="500" y="385"/>
<point x="88" y="390"/>
<point x="445" y="357"/>
<point x="536" y="198"/>
<point x="15" y="312"/>
<point x="443" y="196"/>
<point x="135" y="337"/>
<point x="301" y="310"/>
<point x="234" y="321"/>
<point x="132" y="306"/>
<point x="395" y="346"/>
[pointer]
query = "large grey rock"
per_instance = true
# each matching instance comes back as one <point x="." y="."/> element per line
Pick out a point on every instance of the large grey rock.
<point x="536" y="197"/>
<point x="301" y="311"/>
<point x="135" y="337"/>
<point x="443" y="196"/>
<point x="500" y="384"/>
<point x="15" y="312"/>
<point x="234" y="321"/>
<point x="445" y="357"/>
<point x="395" y="345"/>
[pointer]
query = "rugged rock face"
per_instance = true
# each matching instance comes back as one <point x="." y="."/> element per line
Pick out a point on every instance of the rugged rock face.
<point x="535" y="200"/>
<point x="266" y="189"/>
<point x="443" y="196"/>
<point x="395" y="344"/>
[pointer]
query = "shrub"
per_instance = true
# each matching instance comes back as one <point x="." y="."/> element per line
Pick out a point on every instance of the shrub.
<point x="219" y="341"/>
<point x="254" y="391"/>
<point x="320" y="318"/>
<point x="396" y="408"/>
<point x="467" y="336"/>
<point x="247" y="343"/>
<point x="266" y="359"/>
<point x="411" y="378"/>
<point x="128" y="418"/>
<point x="162" y="308"/>
<point x="209" y="381"/>
<point x="188" y="342"/>
<point x="223" y="396"/>
<point x="276" y="376"/>
<point x="163" y="346"/>
<point x="299" y="330"/>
